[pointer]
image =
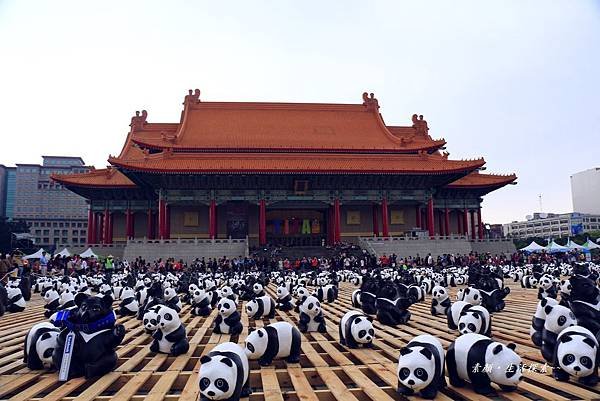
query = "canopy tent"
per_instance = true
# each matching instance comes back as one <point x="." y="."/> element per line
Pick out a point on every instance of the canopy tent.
<point x="575" y="245"/>
<point x="553" y="247"/>
<point x="589" y="244"/>
<point x="36" y="255"/>
<point x="64" y="252"/>
<point x="533" y="247"/>
<point x="88" y="253"/>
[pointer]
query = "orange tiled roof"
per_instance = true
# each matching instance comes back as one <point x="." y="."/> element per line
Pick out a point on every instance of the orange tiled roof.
<point x="478" y="180"/>
<point x="101" y="178"/>
<point x="169" y="162"/>
<point x="302" y="127"/>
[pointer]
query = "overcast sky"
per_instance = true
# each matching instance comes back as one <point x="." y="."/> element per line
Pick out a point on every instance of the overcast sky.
<point x="517" y="82"/>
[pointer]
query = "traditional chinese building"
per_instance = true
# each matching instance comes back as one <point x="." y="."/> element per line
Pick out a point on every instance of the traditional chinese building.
<point x="286" y="173"/>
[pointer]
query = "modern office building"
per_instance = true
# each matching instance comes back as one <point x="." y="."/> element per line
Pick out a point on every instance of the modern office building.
<point x="585" y="190"/>
<point x="55" y="215"/>
<point x="7" y="191"/>
<point x="553" y="225"/>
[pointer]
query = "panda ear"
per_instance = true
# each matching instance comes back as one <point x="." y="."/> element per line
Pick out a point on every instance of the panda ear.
<point x="205" y="359"/>
<point x="463" y="313"/>
<point x="544" y="302"/>
<point x="512" y="346"/>
<point x="497" y="349"/>
<point x="370" y="319"/>
<point x="79" y="298"/>
<point x="260" y="333"/>
<point x="405" y="351"/>
<point x="427" y="353"/>
<point x="566" y="338"/>
<point x="548" y="309"/>
<point x="589" y="342"/>
<point x="358" y="320"/>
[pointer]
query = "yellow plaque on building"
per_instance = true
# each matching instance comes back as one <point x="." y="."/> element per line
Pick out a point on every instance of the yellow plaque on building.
<point x="353" y="217"/>
<point x="397" y="217"/>
<point x="190" y="219"/>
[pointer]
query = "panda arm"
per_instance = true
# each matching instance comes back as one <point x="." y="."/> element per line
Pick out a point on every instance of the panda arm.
<point x="218" y="320"/>
<point x="176" y="335"/>
<point x="157" y="335"/>
<point x="304" y="318"/>
<point x="233" y="318"/>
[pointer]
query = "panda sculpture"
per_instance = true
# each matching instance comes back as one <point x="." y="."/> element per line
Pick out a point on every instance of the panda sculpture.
<point x="470" y="353"/>
<point x="67" y="300"/>
<point x="356" y="329"/>
<point x="584" y="301"/>
<point x="200" y="303"/>
<point x="40" y="342"/>
<point x="368" y="299"/>
<point x="16" y="302"/>
<point x="440" y="302"/>
<point x="224" y="373"/>
<point x="476" y="319"/>
<point x="227" y="292"/>
<point x="261" y="307"/>
<point x="258" y="290"/>
<point x="356" y="299"/>
<point x="284" y="299"/>
<point x="537" y="322"/>
<point x="311" y="316"/>
<point x="150" y="319"/>
<point x="557" y="319"/>
<point x="228" y="321"/>
<point x="576" y="354"/>
<point x="327" y="293"/>
<point x="529" y="281"/>
<point x="169" y="337"/>
<point x="421" y="367"/>
<point x="172" y="300"/>
<point x="52" y="300"/>
<point x="547" y="287"/>
<point x="416" y="292"/>
<point x="454" y="313"/>
<point x="472" y="296"/>
<point x="277" y="340"/>
<point x="129" y="305"/>
<point x="564" y="288"/>
<point x="301" y="293"/>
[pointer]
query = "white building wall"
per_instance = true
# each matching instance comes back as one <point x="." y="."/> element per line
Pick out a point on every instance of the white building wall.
<point x="585" y="190"/>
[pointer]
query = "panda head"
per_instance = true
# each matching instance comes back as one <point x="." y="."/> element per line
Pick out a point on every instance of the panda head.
<point x="470" y="321"/>
<point x="565" y="287"/>
<point x="416" y="367"/>
<point x="311" y="306"/>
<point x="533" y="282"/>
<point x="256" y="343"/>
<point x="192" y="288"/>
<point x="558" y="317"/>
<point x="226" y="292"/>
<point x="257" y="288"/>
<point x="66" y="296"/>
<point x="51" y="296"/>
<point x="169" y="293"/>
<point x="282" y="292"/>
<point x="301" y="293"/>
<point x="362" y="330"/>
<point x="218" y="377"/>
<point x="198" y="295"/>
<point x="576" y="354"/>
<point x="226" y="307"/>
<point x="546" y="282"/>
<point x="472" y="296"/>
<point x="44" y="347"/>
<point x="252" y="307"/>
<point x="150" y="319"/>
<point x="168" y="319"/>
<point x="439" y="293"/>
<point x="503" y="356"/>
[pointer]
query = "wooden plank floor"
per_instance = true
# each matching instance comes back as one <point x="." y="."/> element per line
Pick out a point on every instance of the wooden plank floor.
<point x="327" y="371"/>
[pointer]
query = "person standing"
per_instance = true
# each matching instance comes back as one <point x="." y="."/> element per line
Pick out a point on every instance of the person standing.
<point x="43" y="264"/>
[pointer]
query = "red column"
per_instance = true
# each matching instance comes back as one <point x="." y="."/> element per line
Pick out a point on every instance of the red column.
<point x="384" y="218"/>
<point x="129" y="223"/>
<point x="262" y="222"/>
<point x="90" y="226"/>
<point x="418" y="214"/>
<point x="149" y="225"/>
<point x="447" y="221"/>
<point x="111" y="217"/>
<point x="480" y="223"/>
<point x="472" y="224"/>
<point x="375" y="221"/>
<point x="162" y="219"/>
<point x="100" y="228"/>
<point x="167" y="221"/>
<point x="105" y="226"/>
<point x="430" y="225"/>
<point x="215" y="221"/>
<point x="211" y="220"/>
<point x="337" y="235"/>
<point x="466" y="222"/>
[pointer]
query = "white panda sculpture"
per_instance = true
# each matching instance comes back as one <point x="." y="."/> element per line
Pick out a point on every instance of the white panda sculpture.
<point x="284" y="299"/>
<point x="171" y="299"/>
<point x="440" y="301"/>
<point x="40" y="342"/>
<point x="228" y="321"/>
<point x="258" y="290"/>
<point x="537" y="322"/>
<point x="224" y="373"/>
<point x="311" y="316"/>
<point x="529" y="281"/>
<point x="558" y="318"/>
<point x="52" y="300"/>
<point x="129" y="305"/>
<point x="277" y="340"/>
<point x="356" y="329"/>
<point x="472" y="296"/>
<point x="454" y="313"/>
<point x="421" y="367"/>
<point x="301" y="293"/>
<point x="260" y="307"/>
<point x="201" y="303"/>
<point x="150" y="319"/>
<point x="356" y="299"/>
<point x="170" y="337"/>
<point x="476" y="319"/>
<point x="16" y="302"/>
<point x="470" y="353"/>
<point x="227" y="292"/>
<point x="327" y="293"/>
<point x="577" y="354"/>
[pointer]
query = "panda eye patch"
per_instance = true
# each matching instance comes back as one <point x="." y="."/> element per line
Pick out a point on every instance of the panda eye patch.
<point x="562" y="320"/>
<point x="204" y="383"/>
<point x="586" y="361"/>
<point x="222" y="385"/>
<point x="310" y="305"/>
<point x="362" y="333"/>
<point x="404" y="373"/>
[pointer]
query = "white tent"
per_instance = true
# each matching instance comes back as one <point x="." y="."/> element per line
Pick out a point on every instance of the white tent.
<point x="36" y="255"/>
<point x="575" y="245"/>
<point x="88" y="253"/>
<point x="64" y="252"/>
<point x="554" y="247"/>
<point x="591" y="244"/>
<point x="533" y="247"/>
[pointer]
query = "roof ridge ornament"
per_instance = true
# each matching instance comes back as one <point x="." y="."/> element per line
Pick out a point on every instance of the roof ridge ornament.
<point x="370" y="101"/>
<point x="139" y="120"/>
<point x="192" y="97"/>
<point x="420" y="125"/>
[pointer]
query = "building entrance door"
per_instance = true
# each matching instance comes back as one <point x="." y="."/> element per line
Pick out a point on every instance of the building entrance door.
<point x="296" y="227"/>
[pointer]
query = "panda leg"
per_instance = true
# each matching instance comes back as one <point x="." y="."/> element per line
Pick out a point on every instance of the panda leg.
<point x="321" y="328"/>
<point x="236" y="329"/>
<point x="105" y="364"/>
<point x="154" y="345"/>
<point x="180" y="347"/>
<point x="429" y="392"/>
<point x="455" y="379"/>
<point x="342" y="341"/>
<point x="402" y="389"/>
<point x="246" y="390"/>
<point x="590" y="380"/>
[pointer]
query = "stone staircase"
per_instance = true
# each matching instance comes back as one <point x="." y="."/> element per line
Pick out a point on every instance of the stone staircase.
<point x="188" y="250"/>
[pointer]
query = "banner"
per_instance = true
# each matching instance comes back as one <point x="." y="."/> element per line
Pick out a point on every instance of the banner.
<point x="397" y="217"/>
<point x="190" y="219"/>
<point x="352" y="217"/>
